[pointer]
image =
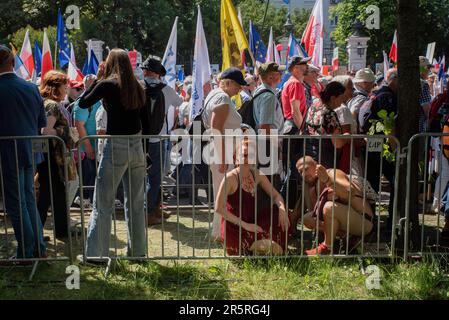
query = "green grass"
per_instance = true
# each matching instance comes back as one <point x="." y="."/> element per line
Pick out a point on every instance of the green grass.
<point x="249" y="279"/>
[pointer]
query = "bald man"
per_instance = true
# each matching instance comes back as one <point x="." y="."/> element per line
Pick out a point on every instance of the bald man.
<point x="334" y="217"/>
<point x="21" y="114"/>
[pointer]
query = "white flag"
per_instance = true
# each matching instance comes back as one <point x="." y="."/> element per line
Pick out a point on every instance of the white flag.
<point x="270" y="51"/>
<point x="201" y="68"/>
<point x="169" y="60"/>
<point x="386" y="64"/>
<point x="277" y="57"/>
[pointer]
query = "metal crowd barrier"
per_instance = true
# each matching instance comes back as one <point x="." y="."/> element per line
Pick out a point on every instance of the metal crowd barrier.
<point x="187" y="233"/>
<point x="433" y="176"/>
<point x="11" y="149"/>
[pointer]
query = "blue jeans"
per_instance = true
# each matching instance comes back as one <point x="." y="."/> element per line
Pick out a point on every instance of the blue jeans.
<point x="118" y="163"/>
<point x="154" y="173"/>
<point x="21" y="207"/>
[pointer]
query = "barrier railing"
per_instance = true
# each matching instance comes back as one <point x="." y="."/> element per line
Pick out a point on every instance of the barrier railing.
<point x="425" y="238"/>
<point x="28" y="235"/>
<point x="195" y="232"/>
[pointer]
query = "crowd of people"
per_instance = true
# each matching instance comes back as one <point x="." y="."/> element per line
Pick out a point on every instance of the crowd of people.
<point x="255" y="209"/>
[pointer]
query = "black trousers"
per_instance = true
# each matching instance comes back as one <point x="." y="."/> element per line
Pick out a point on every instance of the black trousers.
<point x="373" y="177"/>
<point x="59" y="197"/>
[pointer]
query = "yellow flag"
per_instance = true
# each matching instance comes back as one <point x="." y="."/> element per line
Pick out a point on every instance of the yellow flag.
<point x="232" y="36"/>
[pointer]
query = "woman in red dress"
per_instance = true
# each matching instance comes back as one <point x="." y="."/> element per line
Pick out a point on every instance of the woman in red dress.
<point x="264" y="233"/>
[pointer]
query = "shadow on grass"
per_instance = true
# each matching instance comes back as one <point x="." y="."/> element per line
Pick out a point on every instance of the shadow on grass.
<point x="128" y="281"/>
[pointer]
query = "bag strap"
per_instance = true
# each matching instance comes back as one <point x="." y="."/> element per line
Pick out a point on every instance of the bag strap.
<point x="262" y="92"/>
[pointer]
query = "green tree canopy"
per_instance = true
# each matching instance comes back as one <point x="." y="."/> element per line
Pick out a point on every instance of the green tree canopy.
<point x="141" y="24"/>
<point x="433" y="22"/>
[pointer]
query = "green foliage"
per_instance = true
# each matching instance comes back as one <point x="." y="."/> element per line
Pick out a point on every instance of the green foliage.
<point x="141" y="24"/>
<point x="384" y="126"/>
<point x="433" y="24"/>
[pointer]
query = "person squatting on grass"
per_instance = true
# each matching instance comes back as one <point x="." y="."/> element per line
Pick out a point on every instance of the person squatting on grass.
<point x="238" y="194"/>
<point x="338" y="200"/>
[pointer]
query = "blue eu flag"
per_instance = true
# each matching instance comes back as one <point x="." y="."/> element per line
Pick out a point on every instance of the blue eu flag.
<point x="63" y="41"/>
<point x="256" y="44"/>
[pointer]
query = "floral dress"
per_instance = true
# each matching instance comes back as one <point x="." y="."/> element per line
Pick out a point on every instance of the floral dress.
<point x="321" y="120"/>
<point x="62" y="127"/>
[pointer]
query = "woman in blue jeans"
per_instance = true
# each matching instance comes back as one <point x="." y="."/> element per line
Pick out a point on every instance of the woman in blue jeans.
<point x="123" y="158"/>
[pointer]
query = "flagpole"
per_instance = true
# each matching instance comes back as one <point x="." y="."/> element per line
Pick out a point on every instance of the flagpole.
<point x="56" y="52"/>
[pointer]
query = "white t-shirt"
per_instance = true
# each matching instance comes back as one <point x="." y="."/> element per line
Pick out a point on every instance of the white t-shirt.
<point x="218" y="98"/>
<point x="101" y="120"/>
<point x="345" y="117"/>
<point x="172" y="100"/>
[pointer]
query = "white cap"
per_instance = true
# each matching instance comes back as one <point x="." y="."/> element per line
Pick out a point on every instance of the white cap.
<point x="364" y="75"/>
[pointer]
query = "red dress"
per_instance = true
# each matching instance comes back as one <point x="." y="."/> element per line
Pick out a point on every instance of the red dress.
<point x="247" y="214"/>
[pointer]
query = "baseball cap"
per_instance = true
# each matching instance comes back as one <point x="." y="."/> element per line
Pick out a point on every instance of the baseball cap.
<point x="75" y="84"/>
<point x="154" y="64"/>
<point x="234" y="74"/>
<point x="268" y="67"/>
<point x="297" y="60"/>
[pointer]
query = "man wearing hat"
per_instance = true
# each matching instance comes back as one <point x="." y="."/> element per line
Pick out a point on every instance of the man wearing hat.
<point x="294" y="101"/>
<point x="21" y="114"/>
<point x="267" y="110"/>
<point x="153" y="72"/>
<point x="363" y="83"/>
<point x="425" y="97"/>
<point x="312" y="87"/>
<point x="247" y="92"/>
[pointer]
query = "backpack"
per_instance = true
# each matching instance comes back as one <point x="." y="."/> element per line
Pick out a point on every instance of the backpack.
<point x="368" y="113"/>
<point x="155" y="115"/>
<point x="246" y="111"/>
<point x="439" y="108"/>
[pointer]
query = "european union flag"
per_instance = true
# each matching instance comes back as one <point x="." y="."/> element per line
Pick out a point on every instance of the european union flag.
<point x="63" y="41"/>
<point x="256" y="44"/>
<point x="287" y="1"/>
<point x="37" y="58"/>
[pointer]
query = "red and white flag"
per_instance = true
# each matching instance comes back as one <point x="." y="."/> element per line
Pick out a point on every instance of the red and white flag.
<point x="26" y="54"/>
<point x="394" y="48"/>
<point x="73" y="72"/>
<point x="47" y="62"/>
<point x="271" y="48"/>
<point x="313" y="37"/>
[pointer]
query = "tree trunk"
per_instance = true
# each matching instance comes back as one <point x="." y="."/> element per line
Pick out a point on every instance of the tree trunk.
<point x="408" y="107"/>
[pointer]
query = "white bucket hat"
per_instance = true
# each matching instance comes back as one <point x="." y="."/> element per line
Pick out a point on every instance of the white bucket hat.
<point x="364" y="75"/>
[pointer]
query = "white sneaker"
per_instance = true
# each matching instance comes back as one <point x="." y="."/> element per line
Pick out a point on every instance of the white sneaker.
<point x="77" y="201"/>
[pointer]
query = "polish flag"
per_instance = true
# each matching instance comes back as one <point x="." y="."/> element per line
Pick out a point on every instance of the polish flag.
<point x="270" y="52"/>
<point x="47" y="62"/>
<point x="313" y="37"/>
<point x="26" y="55"/>
<point x="73" y="72"/>
<point x="394" y="48"/>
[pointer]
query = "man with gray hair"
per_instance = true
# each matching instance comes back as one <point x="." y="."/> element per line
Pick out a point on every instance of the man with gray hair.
<point x="21" y="114"/>
<point x="384" y="99"/>
<point x="363" y="83"/>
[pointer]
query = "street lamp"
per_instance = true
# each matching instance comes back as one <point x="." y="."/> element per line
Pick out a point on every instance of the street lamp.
<point x="288" y="24"/>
